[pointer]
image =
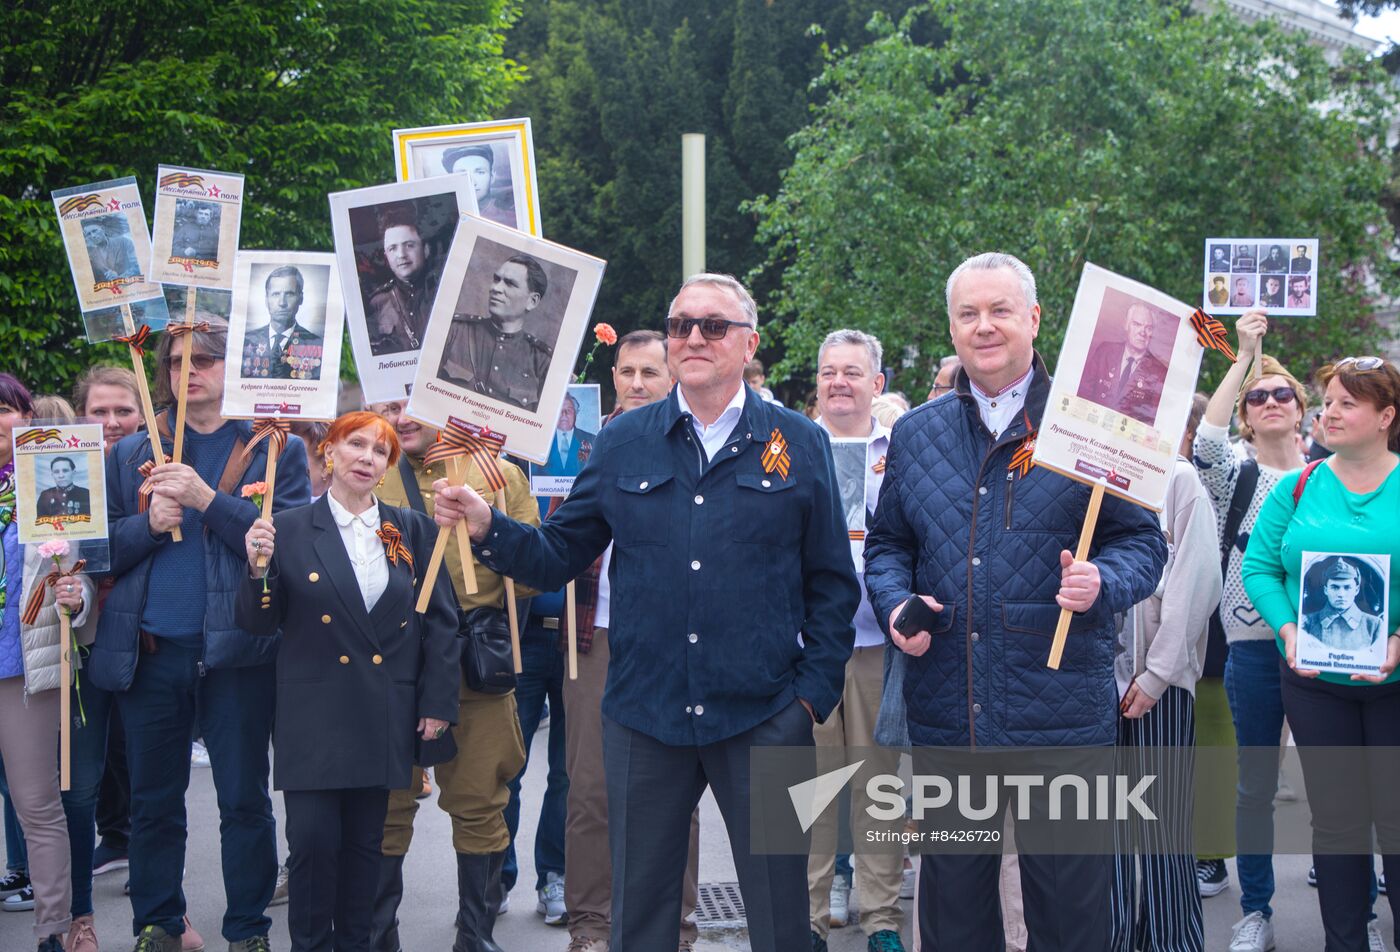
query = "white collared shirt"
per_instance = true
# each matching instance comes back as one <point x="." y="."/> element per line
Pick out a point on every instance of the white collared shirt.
<point x="998" y="410"/>
<point x="868" y="633"/>
<point x="562" y="438"/>
<point x="359" y="533"/>
<point x="602" y="612"/>
<point x="714" y="436"/>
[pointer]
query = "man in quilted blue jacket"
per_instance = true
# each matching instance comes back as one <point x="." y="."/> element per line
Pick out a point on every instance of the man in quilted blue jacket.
<point x="987" y="542"/>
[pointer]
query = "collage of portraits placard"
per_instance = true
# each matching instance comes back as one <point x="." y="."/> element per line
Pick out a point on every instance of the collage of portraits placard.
<point x="1276" y="274"/>
<point x="505" y="331"/>
<point x="580" y="416"/>
<point x="284" y="336"/>
<point x="391" y="242"/>
<point x="498" y="156"/>
<point x="195" y="236"/>
<point x="849" y="455"/>
<point x="1343" y="612"/>
<point x="109" y="251"/>
<point x="60" y="485"/>
<point x="1122" y="388"/>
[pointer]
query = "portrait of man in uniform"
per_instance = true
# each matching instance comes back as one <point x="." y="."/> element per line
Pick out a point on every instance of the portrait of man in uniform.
<point x="110" y="251"/>
<point x="495" y="201"/>
<point x="1219" y="258"/>
<point x="1271" y="293"/>
<point x="1274" y="261"/>
<point x="1301" y="263"/>
<point x="1341" y="623"/>
<point x="1125" y="375"/>
<point x="1246" y="257"/>
<point x="65" y="497"/>
<point x="397" y="310"/>
<point x="1219" y="294"/>
<point x="196" y="230"/>
<point x="284" y="347"/>
<point x="497" y="354"/>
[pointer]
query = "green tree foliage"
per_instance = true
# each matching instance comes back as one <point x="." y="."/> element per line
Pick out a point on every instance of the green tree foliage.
<point x="299" y="96"/>
<point x="613" y="86"/>
<point x="1121" y="132"/>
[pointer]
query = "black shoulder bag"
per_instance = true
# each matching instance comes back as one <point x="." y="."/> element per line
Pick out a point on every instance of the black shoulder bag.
<point x="1216" y="646"/>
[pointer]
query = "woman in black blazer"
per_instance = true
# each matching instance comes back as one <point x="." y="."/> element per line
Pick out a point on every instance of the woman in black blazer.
<point x="359" y="674"/>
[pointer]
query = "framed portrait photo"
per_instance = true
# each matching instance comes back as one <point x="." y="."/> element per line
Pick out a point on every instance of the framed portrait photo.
<point x="1343" y="607"/>
<point x="391" y="242"/>
<point x="195" y="236"/>
<point x="103" y="226"/>
<point x="498" y="156"/>
<point x="1277" y="274"/>
<point x="505" y="331"/>
<point x="284" y="336"/>
<point x="849" y="455"/>
<point x="1122" y="388"/>
<point x="580" y="416"/>
<point x="60" y="482"/>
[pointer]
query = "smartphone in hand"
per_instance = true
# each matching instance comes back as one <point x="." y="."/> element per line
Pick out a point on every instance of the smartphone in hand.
<point x="915" y="617"/>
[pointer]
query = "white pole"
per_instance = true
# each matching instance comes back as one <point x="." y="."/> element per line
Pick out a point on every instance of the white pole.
<point x="692" y="204"/>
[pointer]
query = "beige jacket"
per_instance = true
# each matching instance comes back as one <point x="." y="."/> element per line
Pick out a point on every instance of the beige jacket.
<point x="39" y="642"/>
<point x="1165" y="635"/>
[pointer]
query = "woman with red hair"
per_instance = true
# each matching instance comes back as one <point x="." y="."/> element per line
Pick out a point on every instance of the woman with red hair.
<point x="360" y="674"/>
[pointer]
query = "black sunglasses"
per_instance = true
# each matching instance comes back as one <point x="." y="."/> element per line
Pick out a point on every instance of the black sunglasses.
<point x="711" y="328"/>
<point x="197" y="361"/>
<point x="1281" y="395"/>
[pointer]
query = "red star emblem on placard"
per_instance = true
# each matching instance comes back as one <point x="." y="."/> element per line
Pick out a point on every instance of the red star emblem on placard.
<point x="73" y="441"/>
<point x="114" y="205"/>
<point x="214" y="191"/>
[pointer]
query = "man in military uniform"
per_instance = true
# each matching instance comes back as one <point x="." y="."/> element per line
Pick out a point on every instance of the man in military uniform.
<point x="64" y="499"/>
<point x="199" y="238"/>
<point x="282" y="348"/>
<point x="494" y="355"/>
<point x="1341" y="624"/>
<point x="478" y="161"/>
<point x="1124" y="375"/>
<point x="398" y="308"/>
<point x="111" y="256"/>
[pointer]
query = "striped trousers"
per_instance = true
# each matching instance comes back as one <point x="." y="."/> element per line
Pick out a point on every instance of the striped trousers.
<point x="1156" y="901"/>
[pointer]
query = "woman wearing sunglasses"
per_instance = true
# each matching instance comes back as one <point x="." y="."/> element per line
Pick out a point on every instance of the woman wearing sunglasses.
<point x="1237" y="698"/>
<point x="1349" y="502"/>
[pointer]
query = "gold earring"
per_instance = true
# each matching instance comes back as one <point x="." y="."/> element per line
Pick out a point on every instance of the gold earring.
<point x="330" y="465"/>
<point x="380" y="484"/>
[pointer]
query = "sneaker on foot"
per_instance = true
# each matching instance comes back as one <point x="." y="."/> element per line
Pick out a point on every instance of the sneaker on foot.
<point x="1253" y="933"/>
<point x="840" y="903"/>
<point x="156" y="939"/>
<point x="1212" y="877"/>
<point x="105" y="859"/>
<point x="587" y="943"/>
<point x="279" y="893"/>
<point x="1312" y="876"/>
<point x="192" y="941"/>
<point x="22" y="901"/>
<point x="82" y="936"/>
<point x="257" y="943"/>
<point x="818" y="943"/>
<point x="908" y="882"/>
<point x="886" y="940"/>
<point x="551" y="900"/>
<point x="1376" y="942"/>
<point x="15" y="881"/>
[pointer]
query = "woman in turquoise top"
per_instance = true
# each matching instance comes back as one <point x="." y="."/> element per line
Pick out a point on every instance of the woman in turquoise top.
<point x="1349" y="503"/>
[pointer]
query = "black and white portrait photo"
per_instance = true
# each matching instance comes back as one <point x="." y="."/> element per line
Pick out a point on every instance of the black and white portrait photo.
<point x="1261" y="273"/>
<point x="1342" y="612"/>
<point x="497" y="156"/>
<point x="63" y="488"/>
<point x="110" y="250"/>
<point x="1128" y="357"/>
<point x="194" y="235"/>
<point x="196" y="230"/>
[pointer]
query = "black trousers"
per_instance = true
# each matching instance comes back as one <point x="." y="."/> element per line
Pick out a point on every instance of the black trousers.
<point x="1348" y="716"/>
<point x="333" y="838"/>
<point x="653" y="789"/>
<point x="114" y="795"/>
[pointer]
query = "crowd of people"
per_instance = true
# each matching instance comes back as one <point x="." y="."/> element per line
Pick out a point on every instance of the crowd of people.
<point x="704" y="532"/>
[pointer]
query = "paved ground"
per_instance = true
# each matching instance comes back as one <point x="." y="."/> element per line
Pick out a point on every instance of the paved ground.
<point x="431" y="894"/>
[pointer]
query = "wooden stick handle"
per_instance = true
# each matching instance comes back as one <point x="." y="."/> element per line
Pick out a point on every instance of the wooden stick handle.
<point x="434" y="566"/>
<point x="458" y="469"/>
<point x="455" y="475"/>
<point x="65" y="703"/>
<point x="1086" y="536"/>
<point x="147" y="408"/>
<point x="571" y="612"/>
<point x="269" y="477"/>
<point x="184" y="391"/>
<point x="514" y="625"/>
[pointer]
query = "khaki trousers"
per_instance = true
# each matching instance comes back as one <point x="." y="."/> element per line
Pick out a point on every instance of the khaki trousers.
<point x="473" y="786"/>
<point x="588" y="861"/>
<point x="877" y="874"/>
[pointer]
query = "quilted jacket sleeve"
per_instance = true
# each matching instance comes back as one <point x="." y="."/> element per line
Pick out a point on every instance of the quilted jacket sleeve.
<point x="1130" y="553"/>
<point x="891" y="546"/>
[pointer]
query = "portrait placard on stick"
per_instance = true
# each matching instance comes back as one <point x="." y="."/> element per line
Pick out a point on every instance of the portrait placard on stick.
<point x="195" y="235"/>
<point x="499" y="156"/>
<point x="574" y="435"/>
<point x="60" y="483"/>
<point x="284" y="337"/>
<point x="391" y="242"/>
<point x="104" y="232"/>
<point x="1276" y="274"/>
<point x="505" y="331"/>
<point x="1343" y="612"/>
<point x="851" y="475"/>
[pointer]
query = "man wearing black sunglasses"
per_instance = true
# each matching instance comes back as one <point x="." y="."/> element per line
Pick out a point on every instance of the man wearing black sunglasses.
<point x="728" y="539"/>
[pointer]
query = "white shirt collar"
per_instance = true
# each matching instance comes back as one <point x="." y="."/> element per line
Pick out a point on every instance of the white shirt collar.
<point x="878" y="431"/>
<point x="344" y="517"/>
<point x="728" y="416"/>
<point x="999" y="409"/>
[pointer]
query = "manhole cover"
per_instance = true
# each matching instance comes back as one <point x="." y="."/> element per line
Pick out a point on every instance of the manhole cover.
<point x="720" y="906"/>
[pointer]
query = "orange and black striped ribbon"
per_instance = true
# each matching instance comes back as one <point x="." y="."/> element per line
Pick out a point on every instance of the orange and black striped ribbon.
<point x="1211" y="334"/>
<point x="393" y="544"/>
<point x="879" y="466"/>
<point x="38" y="436"/>
<point x="482" y="446"/>
<point x="775" y="454"/>
<point x="175" y="330"/>
<point x="36" y="598"/>
<point x="1021" y="459"/>
<point x="143" y="495"/>
<point x="271" y="429"/>
<point x="137" y="341"/>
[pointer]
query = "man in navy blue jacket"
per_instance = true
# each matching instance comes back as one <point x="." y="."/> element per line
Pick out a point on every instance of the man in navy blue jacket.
<point x="168" y="645"/>
<point x="728" y="541"/>
<point x="988" y="546"/>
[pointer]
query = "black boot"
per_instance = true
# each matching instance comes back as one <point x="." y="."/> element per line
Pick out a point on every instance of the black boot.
<point x="476" y="917"/>
<point x="384" y="930"/>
